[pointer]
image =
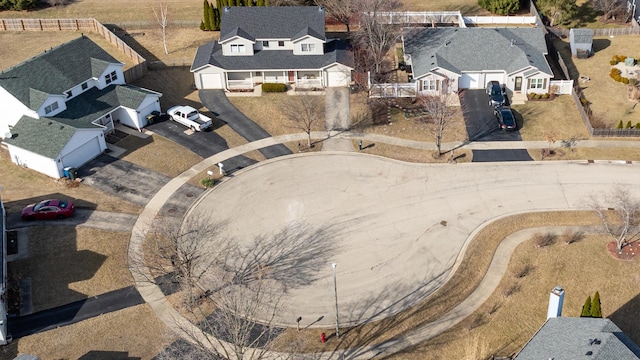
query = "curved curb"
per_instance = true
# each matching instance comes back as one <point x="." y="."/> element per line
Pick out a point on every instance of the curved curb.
<point x="176" y="322"/>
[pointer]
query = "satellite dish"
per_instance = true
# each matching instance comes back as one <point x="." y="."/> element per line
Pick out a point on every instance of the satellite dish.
<point x="8" y="135"/>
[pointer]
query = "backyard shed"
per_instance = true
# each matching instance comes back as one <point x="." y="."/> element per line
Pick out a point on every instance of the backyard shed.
<point x="581" y="41"/>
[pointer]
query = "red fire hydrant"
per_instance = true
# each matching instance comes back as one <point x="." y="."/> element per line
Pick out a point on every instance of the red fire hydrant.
<point x="323" y="337"/>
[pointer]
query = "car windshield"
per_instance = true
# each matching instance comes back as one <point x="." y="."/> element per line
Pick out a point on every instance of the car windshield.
<point x="40" y="205"/>
<point x="496" y="91"/>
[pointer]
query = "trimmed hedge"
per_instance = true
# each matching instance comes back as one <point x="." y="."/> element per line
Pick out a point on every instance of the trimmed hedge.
<point x="274" y="87"/>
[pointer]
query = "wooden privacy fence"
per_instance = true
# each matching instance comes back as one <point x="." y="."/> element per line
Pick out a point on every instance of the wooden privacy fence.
<point x="83" y="24"/>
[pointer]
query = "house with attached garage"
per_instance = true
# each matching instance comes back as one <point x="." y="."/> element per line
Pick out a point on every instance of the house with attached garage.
<point x="59" y="105"/>
<point x="446" y="60"/>
<point x="282" y="44"/>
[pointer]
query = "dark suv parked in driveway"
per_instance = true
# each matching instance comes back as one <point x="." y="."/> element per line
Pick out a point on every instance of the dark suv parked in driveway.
<point x="496" y="96"/>
<point x="505" y="118"/>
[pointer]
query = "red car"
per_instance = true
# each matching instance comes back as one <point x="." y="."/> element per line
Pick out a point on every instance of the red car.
<point x="48" y="209"/>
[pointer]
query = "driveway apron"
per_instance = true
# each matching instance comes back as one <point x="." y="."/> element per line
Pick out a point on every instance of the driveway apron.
<point x="216" y="101"/>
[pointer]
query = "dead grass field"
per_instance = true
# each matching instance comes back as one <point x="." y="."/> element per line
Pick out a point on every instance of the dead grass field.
<point x="158" y="154"/>
<point x="132" y="333"/>
<point x="21" y="187"/>
<point x="69" y="264"/>
<point x="630" y="154"/>
<point x="116" y="11"/>
<point x="266" y="111"/>
<point x="20" y="46"/>
<point x="412" y="155"/>
<point x="504" y="323"/>
<point x="608" y="98"/>
<point x="559" y="117"/>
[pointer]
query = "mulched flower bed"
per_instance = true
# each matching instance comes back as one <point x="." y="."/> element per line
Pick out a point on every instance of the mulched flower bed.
<point x="627" y="253"/>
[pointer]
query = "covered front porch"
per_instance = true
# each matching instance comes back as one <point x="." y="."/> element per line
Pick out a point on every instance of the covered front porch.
<point x="247" y="80"/>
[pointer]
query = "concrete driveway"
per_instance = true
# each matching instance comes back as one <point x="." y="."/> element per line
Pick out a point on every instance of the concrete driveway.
<point x="205" y="144"/>
<point x="337" y="108"/>
<point x="216" y="101"/>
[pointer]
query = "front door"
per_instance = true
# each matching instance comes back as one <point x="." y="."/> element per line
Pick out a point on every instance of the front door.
<point x="518" y="86"/>
<point x="291" y="76"/>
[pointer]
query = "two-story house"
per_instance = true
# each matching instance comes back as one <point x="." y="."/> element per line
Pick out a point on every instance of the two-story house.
<point x="284" y="44"/>
<point x="445" y="60"/>
<point x="58" y="106"/>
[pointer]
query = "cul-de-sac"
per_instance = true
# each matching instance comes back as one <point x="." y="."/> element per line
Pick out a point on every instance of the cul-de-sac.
<point x="320" y="179"/>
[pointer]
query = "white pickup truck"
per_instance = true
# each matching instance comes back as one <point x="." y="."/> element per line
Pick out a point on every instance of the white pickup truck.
<point x="189" y="117"/>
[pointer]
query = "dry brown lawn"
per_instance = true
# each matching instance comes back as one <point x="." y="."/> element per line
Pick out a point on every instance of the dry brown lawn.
<point x="559" y="118"/>
<point x="504" y="323"/>
<point x="608" y="98"/>
<point x="158" y="154"/>
<point x="68" y="264"/>
<point x="23" y="186"/>
<point x="266" y="111"/>
<point x="627" y="154"/>
<point x="20" y="46"/>
<point x="132" y="333"/>
<point x="412" y="155"/>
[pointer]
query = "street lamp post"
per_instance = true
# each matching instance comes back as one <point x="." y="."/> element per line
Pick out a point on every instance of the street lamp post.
<point x="335" y="291"/>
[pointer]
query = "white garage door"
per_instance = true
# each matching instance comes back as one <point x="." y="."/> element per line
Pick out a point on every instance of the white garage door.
<point x="336" y="78"/>
<point x="470" y="81"/>
<point x="82" y="154"/>
<point x="499" y="77"/>
<point x="211" y="81"/>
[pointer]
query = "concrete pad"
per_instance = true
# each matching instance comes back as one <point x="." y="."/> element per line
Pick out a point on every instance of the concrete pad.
<point x="337" y="144"/>
<point x="394" y="229"/>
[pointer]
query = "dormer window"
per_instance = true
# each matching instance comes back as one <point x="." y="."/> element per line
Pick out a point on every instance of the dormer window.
<point x="50" y="108"/>
<point x="281" y="43"/>
<point x="308" y="47"/>
<point x="111" y="77"/>
<point x="265" y="44"/>
<point x="238" y="48"/>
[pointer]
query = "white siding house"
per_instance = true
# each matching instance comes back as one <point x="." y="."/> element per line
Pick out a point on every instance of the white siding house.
<point x="60" y="104"/>
<point x="284" y="44"/>
<point x="445" y="60"/>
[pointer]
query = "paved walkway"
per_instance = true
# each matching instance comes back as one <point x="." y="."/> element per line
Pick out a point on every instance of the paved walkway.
<point x="463" y="195"/>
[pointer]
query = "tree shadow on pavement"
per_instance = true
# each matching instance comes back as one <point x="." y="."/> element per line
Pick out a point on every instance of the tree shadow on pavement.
<point x="384" y="333"/>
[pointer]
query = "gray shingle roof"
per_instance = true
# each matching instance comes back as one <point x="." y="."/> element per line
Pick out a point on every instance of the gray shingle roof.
<point x="277" y="22"/>
<point x="566" y="338"/>
<point x="47" y="136"/>
<point x="475" y="49"/>
<point x="42" y="136"/>
<point x="211" y="54"/>
<point x="582" y="36"/>
<point x="55" y="71"/>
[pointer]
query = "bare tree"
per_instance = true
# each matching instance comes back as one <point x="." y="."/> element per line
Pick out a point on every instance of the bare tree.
<point x="161" y="17"/>
<point x="304" y="112"/>
<point x="232" y="293"/>
<point x="621" y="215"/>
<point x="375" y="36"/>
<point x="608" y="7"/>
<point x="439" y="114"/>
<point x="182" y="254"/>
<point x="341" y="10"/>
